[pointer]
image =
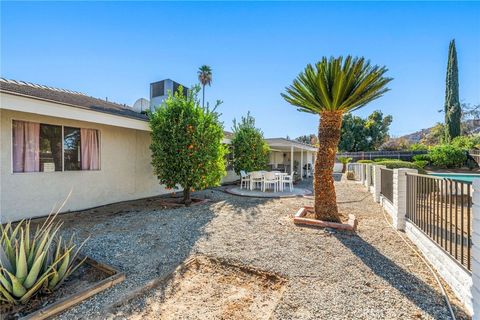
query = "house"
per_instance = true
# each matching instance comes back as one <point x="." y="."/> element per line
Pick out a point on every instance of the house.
<point x="64" y="149"/>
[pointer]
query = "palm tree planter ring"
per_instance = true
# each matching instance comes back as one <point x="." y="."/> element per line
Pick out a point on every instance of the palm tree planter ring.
<point x="331" y="88"/>
<point x="300" y="219"/>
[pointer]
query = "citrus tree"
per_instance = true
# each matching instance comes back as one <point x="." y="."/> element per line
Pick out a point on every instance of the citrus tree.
<point x="250" y="151"/>
<point x="331" y="88"/>
<point x="187" y="149"/>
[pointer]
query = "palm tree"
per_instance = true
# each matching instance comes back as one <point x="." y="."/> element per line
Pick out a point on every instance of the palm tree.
<point x="330" y="89"/>
<point x="205" y="77"/>
<point x="344" y="161"/>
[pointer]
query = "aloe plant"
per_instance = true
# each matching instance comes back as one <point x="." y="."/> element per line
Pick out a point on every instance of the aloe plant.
<point x="32" y="264"/>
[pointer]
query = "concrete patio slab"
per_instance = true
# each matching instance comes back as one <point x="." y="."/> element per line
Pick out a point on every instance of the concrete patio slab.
<point x="296" y="192"/>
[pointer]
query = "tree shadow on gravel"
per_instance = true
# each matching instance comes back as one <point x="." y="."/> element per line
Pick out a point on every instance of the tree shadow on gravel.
<point x="409" y="285"/>
<point x="240" y="205"/>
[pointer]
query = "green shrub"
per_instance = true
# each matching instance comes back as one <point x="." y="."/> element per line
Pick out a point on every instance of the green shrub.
<point x="421" y="163"/>
<point x="251" y="152"/>
<point x="397" y="164"/>
<point x="466" y="142"/>
<point x="382" y="159"/>
<point x="447" y="156"/>
<point x="187" y="149"/>
<point x="422" y="157"/>
<point x="418" y="147"/>
<point x="34" y="264"/>
<point x="365" y="161"/>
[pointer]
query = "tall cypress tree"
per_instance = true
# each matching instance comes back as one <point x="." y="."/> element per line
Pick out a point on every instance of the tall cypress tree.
<point x="453" y="111"/>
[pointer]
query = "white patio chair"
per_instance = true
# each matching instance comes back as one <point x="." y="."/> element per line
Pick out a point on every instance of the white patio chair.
<point x="270" y="179"/>
<point x="244" y="179"/>
<point x="255" y="177"/>
<point x="287" y="180"/>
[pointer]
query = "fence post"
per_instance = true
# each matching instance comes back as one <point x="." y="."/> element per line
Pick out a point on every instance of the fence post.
<point x="366" y="183"/>
<point x="377" y="182"/>
<point x="364" y="169"/>
<point x="475" y="289"/>
<point x="400" y="197"/>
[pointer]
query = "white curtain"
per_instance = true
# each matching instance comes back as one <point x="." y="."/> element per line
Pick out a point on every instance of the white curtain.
<point x="90" y="149"/>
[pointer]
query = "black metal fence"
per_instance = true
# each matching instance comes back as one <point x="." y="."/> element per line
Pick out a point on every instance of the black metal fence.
<point x="475" y="154"/>
<point x="442" y="209"/>
<point x="386" y="186"/>
<point x="370" y="155"/>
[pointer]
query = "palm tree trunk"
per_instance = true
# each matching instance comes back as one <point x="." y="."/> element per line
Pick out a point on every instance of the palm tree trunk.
<point x="203" y="97"/>
<point x="328" y="139"/>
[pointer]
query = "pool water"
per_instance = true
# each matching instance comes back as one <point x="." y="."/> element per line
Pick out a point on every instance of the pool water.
<point x="459" y="177"/>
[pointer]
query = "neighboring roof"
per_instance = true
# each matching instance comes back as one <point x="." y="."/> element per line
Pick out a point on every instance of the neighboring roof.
<point x="228" y="134"/>
<point x="68" y="98"/>
<point x="279" y="143"/>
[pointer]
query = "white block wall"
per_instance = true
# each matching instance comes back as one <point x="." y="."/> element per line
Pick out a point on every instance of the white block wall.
<point x="458" y="279"/>
<point x="400" y="197"/>
<point x="476" y="249"/>
<point x="464" y="284"/>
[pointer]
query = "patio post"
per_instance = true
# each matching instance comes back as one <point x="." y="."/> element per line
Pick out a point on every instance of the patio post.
<point x="301" y="164"/>
<point x="475" y="289"/>
<point x="291" y="160"/>
<point x="308" y="157"/>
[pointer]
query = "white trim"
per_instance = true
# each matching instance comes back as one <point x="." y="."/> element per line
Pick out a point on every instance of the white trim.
<point x="58" y="110"/>
<point x="282" y="142"/>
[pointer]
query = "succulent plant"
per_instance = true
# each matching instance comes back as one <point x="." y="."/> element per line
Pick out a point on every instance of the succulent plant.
<point x="32" y="264"/>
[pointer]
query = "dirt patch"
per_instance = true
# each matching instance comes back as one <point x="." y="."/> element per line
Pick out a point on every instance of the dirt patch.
<point x="83" y="278"/>
<point x="176" y="202"/>
<point x="207" y="288"/>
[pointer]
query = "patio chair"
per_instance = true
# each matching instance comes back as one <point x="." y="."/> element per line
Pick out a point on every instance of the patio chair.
<point x="255" y="177"/>
<point x="244" y="178"/>
<point x="288" y="180"/>
<point x="269" y="179"/>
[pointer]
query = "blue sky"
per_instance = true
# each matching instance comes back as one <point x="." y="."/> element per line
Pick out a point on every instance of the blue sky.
<point x="116" y="49"/>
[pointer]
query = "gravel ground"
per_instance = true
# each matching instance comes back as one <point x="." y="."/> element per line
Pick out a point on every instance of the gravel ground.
<point x="330" y="275"/>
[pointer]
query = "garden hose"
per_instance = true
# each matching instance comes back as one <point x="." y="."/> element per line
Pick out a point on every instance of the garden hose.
<point x="427" y="263"/>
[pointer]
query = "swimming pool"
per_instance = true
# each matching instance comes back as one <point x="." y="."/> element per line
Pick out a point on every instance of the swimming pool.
<point x="467" y="177"/>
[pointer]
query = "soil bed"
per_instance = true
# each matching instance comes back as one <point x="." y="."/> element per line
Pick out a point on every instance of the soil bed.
<point x="174" y="202"/>
<point x="206" y="288"/>
<point x="81" y="280"/>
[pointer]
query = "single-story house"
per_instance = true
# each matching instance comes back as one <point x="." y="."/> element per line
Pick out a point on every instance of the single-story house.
<point x="61" y="148"/>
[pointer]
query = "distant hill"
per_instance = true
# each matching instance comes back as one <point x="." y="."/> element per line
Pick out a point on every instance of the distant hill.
<point x="471" y="126"/>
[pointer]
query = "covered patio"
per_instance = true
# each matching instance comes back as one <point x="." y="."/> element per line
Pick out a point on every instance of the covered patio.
<point x="292" y="156"/>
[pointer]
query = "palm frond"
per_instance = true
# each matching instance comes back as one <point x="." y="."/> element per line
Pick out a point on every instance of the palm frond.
<point x="337" y="84"/>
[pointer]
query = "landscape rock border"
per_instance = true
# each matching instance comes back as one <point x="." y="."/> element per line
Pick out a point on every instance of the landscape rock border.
<point x="300" y="219"/>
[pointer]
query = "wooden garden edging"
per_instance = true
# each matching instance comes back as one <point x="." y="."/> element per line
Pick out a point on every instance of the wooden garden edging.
<point x="115" y="277"/>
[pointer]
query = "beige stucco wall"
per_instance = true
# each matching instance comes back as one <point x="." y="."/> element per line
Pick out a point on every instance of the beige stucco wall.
<point x="126" y="172"/>
<point x="230" y="177"/>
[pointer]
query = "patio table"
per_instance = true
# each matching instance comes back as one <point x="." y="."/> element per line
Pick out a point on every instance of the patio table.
<point x="279" y="174"/>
